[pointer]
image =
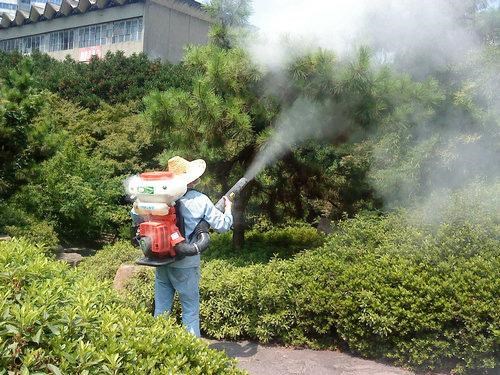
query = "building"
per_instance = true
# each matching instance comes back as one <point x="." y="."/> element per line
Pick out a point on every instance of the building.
<point x="83" y="28"/>
<point x="8" y="7"/>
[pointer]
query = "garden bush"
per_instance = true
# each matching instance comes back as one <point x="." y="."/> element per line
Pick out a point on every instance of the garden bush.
<point x="378" y="286"/>
<point x="104" y="264"/>
<point x="260" y="246"/>
<point x="423" y="295"/>
<point x="18" y="223"/>
<point x="52" y="320"/>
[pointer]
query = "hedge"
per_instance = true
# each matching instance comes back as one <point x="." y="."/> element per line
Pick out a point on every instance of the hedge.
<point x="260" y="247"/>
<point x="106" y="262"/>
<point x="425" y="297"/>
<point x="52" y="320"/>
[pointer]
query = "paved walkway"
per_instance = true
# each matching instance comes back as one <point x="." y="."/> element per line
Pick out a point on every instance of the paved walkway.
<point x="275" y="360"/>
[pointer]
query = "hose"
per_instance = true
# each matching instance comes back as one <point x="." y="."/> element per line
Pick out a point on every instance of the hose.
<point x="202" y="240"/>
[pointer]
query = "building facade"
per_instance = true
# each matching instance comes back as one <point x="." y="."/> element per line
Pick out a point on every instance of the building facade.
<point x="84" y="28"/>
<point x="8" y="7"/>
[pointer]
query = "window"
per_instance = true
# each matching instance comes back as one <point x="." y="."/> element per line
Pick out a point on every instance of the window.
<point x="8" y="6"/>
<point x="88" y="36"/>
<point x="118" y="31"/>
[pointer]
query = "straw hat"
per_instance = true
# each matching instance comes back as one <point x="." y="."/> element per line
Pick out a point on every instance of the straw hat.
<point x="190" y="169"/>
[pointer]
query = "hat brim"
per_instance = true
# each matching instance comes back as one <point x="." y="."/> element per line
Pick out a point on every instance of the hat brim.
<point x="195" y="170"/>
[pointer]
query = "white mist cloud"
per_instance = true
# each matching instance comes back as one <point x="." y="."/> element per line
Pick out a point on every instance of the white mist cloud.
<point x="434" y="29"/>
<point x="417" y="36"/>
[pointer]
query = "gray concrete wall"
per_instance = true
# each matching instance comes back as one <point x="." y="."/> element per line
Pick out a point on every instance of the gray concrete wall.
<point x="169" y="26"/>
<point x="78" y="20"/>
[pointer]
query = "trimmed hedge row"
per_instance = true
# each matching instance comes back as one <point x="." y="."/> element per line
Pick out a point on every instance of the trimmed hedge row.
<point x="380" y="287"/>
<point x="260" y="247"/>
<point x="52" y="320"/>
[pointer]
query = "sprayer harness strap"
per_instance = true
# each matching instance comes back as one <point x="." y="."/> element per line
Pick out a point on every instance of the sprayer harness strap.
<point x="180" y="211"/>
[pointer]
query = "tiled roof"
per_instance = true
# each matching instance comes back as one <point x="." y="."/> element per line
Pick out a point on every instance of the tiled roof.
<point x="39" y="13"/>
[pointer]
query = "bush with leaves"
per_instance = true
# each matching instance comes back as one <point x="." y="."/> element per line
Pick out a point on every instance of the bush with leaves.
<point x="20" y="102"/>
<point x="54" y="321"/>
<point x="113" y="79"/>
<point x="104" y="264"/>
<point x="18" y="223"/>
<point x="261" y="246"/>
<point x="78" y="193"/>
<point x="423" y="293"/>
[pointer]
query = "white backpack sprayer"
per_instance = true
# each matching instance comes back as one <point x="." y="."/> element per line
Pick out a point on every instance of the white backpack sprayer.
<point x="159" y="237"/>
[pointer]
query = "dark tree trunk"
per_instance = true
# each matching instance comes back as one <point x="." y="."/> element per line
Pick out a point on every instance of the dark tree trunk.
<point x="239" y="224"/>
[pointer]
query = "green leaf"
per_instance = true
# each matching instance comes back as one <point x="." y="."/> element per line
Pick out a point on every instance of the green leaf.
<point x="36" y="337"/>
<point x="54" y="369"/>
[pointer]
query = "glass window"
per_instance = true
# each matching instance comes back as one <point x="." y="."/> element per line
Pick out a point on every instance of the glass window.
<point x="88" y="36"/>
<point x="118" y="32"/>
<point x="36" y="43"/>
<point x="128" y="30"/>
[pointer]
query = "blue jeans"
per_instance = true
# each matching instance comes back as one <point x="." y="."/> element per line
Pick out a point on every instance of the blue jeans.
<point x="186" y="282"/>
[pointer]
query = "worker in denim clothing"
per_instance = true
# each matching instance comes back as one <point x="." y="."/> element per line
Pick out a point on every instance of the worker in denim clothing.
<point x="183" y="275"/>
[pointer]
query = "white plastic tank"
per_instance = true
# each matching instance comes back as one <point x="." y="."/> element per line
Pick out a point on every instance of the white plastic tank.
<point x="155" y="191"/>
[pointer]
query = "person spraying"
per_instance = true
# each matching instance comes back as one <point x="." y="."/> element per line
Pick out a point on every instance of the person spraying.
<point x="165" y="206"/>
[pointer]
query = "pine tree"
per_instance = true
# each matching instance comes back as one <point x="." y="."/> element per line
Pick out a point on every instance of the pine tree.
<point x="20" y="101"/>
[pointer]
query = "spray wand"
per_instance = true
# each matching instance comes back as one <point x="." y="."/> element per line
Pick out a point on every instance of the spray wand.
<point x="231" y="193"/>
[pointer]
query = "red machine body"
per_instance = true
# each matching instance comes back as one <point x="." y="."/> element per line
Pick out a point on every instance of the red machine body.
<point x="163" y="234"/>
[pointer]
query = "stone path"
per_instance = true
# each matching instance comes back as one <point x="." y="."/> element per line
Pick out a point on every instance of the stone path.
<point x="275" y="360"/>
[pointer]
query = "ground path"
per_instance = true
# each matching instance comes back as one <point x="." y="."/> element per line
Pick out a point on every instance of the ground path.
<point x="275" y="360"/>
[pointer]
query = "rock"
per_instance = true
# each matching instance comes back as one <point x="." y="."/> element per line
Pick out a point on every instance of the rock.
<point x="324" y="225"/>
<point x="80" y="250"/>
<point x="124" y="274"/>
<point x="73" y="259"/>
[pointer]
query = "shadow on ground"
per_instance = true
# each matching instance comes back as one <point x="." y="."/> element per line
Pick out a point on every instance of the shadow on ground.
<point x="236" y="349"/>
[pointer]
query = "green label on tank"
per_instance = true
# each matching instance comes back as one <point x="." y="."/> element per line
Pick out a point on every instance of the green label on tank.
<point x="146" y="190"/>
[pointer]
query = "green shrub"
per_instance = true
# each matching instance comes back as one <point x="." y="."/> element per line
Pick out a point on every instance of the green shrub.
<point x="78" y="193"/>
<point x="18" y="223"/>
<point x="54" y="321"/>
<point x="39" y="232"/>
<point x="261" y="246"/>
<point x="379" y="286"/>
<point x="104" y="264"/>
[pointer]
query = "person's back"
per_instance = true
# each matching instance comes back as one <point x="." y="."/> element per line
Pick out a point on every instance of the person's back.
<point x="193" y="207"/>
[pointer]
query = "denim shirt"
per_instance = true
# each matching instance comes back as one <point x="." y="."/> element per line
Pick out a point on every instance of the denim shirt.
<point x="195" y="207"/>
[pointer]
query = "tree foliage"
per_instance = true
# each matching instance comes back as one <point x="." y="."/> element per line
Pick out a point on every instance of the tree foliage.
<point x="113" y="79"/>
<point x="20" y="101"/>
<point x="219" y="119"/>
